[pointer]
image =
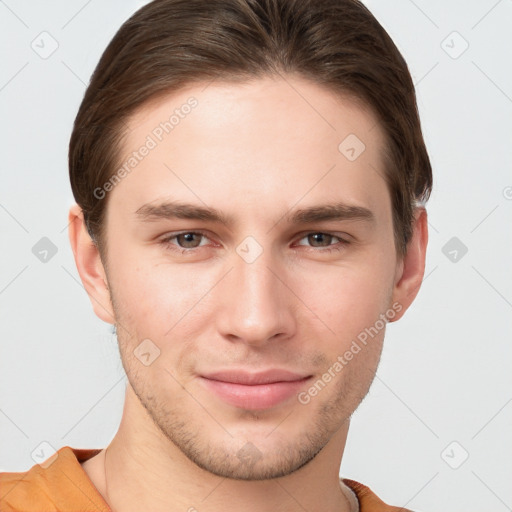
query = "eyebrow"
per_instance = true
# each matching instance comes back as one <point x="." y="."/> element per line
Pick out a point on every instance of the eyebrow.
<point x="336" y="211"/>
<point x="319" y="213"/>
<point x="178" y="210"/>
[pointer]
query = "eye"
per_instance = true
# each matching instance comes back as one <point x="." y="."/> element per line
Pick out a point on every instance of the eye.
<point x="324" y="240"/>
<point x="185" y="240"/>
<point x="188" y="240"/>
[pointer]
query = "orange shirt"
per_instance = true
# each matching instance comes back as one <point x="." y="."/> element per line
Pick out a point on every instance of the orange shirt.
<point x="61" y="485"/>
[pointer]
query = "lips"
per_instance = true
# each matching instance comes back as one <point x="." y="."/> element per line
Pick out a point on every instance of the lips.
<point x="249" y="379"/>
<point x="256" y="391"/>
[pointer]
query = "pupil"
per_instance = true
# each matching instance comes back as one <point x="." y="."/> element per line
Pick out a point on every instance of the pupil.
<point x="189" y="238"/>
<point x="319" y="237"/>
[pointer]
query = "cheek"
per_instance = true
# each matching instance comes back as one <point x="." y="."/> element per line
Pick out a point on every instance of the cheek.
<point x="154" y="298"/>
<point x="346" y="299"/>
<point x="157" y="303"/>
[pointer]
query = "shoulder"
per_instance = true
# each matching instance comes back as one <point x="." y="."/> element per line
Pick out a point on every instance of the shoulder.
<point x="59" y="483"/>
<point x="368" y="500"/>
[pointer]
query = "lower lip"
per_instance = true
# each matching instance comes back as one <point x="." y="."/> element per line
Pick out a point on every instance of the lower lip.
<point x="258" y="396"/>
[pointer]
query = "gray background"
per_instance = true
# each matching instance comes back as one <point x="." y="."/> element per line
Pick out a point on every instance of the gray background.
<point x="443" y="389"/>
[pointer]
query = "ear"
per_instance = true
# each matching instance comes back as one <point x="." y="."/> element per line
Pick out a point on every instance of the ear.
<point x="411" y="268"/>
<point x="90" y="266"/>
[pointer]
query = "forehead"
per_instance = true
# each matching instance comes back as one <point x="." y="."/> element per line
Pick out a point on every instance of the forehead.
<point x="267" y="143"/>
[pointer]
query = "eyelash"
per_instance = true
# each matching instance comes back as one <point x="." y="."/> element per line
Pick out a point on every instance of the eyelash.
<point x="166" y="242"/>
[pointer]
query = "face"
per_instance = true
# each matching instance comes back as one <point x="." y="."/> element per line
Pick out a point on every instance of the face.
<point x="251" y="266"/>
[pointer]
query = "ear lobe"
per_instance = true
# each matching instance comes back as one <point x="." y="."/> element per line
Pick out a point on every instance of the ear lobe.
<point x="89" y="266"/>
<point x="411" y="268"/>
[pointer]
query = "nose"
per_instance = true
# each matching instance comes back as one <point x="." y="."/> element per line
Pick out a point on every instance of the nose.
<point x="257" y="306"/>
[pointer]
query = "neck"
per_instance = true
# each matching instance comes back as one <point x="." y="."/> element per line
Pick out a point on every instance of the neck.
<point x="142" y="469"/>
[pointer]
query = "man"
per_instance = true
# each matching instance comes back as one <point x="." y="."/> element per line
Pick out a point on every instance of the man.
<point x="250" y="178"/>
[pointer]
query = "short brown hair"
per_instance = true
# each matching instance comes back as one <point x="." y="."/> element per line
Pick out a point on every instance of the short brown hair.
<point x="168" y="44"/>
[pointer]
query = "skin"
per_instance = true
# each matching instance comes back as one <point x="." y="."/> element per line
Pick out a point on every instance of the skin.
<point x="256" y="151"/>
